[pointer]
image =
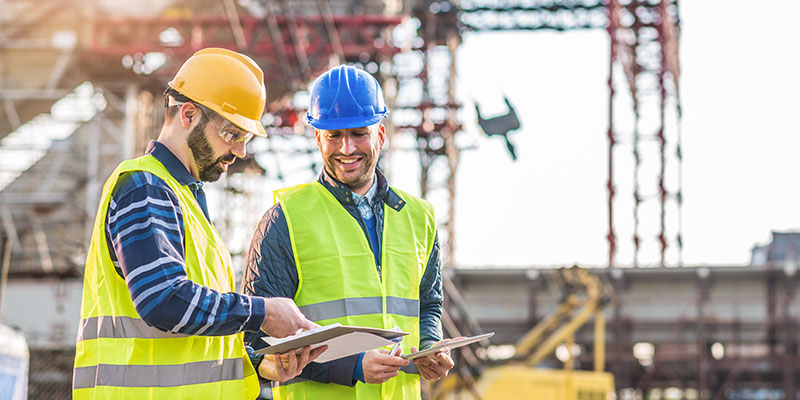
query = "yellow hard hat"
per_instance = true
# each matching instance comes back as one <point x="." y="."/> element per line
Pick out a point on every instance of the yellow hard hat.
<point x="227" y="82"/>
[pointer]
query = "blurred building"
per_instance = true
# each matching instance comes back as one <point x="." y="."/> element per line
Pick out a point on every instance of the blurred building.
<point x="782" y="252"/>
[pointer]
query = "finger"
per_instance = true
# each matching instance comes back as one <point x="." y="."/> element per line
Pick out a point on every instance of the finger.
<point x="306" y="324"/>
<point x="440" y="369"/>
<point x="426" y="373"/>
<point x="384" y="358"/>
<point x="388" y="375"/>
<point x="394" y="361"/>
<point x="292" y="362"/>
<point x="448" y="362"/>
<point x="303" y="357"/>
<point x="441" y="357"/>
<point x="280" y="371"/>
<point x="316" y="353"/>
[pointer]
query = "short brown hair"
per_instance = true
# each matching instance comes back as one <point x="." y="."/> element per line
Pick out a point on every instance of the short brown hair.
<point x="172" y="111"/>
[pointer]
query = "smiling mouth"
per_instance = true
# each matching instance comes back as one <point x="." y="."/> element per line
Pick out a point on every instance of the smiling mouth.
<point x="349" y="162"/>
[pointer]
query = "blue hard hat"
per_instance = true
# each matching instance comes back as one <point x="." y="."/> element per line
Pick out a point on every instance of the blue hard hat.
<point x="345" y="97"/>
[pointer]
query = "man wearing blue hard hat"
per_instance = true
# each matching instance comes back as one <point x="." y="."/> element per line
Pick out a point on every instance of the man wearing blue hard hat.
<point x="351" y="249"/>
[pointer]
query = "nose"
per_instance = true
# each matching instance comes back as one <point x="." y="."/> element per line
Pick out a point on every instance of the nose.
<point x="348" y="145"/>
<point x="239" y="149"/>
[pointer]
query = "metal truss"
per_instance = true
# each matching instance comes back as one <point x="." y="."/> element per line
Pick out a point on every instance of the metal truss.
<point x="644" y="37"/>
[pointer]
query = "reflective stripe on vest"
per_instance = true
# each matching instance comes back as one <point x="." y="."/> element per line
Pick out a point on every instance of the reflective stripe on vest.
<point x="119" y="327"/>
<point x="118" y="355"/>
<point x="360" y="306"/>
<point x="338" y="280"/>
<point x="158" y="375"/>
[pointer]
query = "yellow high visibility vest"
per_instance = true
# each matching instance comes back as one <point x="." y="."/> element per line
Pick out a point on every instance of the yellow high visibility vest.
<point x="338" y="280"/>
<point x="118" y="356"/>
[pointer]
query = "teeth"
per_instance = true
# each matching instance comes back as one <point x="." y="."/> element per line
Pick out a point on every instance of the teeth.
<point x="348" y="161"/>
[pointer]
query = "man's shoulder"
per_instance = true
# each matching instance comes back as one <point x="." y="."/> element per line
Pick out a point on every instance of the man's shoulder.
<point x="303" y="188"/>
<point x="273" y="220"/>
<point x="140" y="181"/>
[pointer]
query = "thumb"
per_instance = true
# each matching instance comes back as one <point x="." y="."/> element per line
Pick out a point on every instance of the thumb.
<point x="306" y="324"/>
<point x="414" y="350"/>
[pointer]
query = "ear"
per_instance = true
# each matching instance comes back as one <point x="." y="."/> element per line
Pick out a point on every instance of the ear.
<point x="187" y="114"/>
<point x="317" y="135"/>
<point x="381" y="135"/>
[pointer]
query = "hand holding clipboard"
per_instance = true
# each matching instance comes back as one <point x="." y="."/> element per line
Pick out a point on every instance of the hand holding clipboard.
<point x="435" y="362"/>
<point x="447" y="345"/>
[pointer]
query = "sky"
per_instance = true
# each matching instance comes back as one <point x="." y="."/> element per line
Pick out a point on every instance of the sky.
<point x="740" y="129"/>
<point x="740" y="132"/>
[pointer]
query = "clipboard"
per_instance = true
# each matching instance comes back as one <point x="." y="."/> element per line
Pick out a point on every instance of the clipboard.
<point x="342" y="340"/>
<point x="453" y="344"/>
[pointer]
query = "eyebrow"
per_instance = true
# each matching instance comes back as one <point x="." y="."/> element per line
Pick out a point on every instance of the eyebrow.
<point x="354" y="130"/>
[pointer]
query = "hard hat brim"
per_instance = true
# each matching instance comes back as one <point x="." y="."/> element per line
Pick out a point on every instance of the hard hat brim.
<point x="346" y="123"/>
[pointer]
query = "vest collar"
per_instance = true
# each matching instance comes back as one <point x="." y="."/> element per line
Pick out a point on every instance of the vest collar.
<point x="344" y="195"/>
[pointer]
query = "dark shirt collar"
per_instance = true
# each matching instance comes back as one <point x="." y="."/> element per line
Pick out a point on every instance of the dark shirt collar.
<point x="173" y="165"/>
<point x="344" y="194"/>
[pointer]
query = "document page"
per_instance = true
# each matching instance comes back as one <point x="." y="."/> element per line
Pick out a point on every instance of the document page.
<point x="342" y="340"/>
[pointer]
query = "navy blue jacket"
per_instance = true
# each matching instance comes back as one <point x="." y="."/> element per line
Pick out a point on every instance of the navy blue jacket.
<point x="270" y="271"/>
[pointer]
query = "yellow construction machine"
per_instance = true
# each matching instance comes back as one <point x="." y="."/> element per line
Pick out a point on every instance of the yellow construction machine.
<point x="584" y="296"/>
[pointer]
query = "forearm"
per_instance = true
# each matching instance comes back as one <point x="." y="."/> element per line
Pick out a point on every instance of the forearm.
<point x="338" y="371"/>
<point x="145" y="230"/>
<point x="431" y="300"/>
<point x="430" y="328"/>
<point x="192" y="309"/>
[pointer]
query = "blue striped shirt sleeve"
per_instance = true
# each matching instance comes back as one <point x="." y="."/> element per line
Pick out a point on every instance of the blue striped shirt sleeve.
<point x="145" y="232"/>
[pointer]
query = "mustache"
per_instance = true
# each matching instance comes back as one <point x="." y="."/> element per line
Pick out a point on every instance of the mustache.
<point x="356" y="154"/>
<point x="227" y="158"/>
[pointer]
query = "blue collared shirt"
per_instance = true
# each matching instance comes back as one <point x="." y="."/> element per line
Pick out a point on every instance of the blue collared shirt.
<point x="145" y="235"/>
<point x="364" y="204"/>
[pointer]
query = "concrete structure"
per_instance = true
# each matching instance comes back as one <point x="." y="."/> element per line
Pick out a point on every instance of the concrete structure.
<point x="722" y="331"/>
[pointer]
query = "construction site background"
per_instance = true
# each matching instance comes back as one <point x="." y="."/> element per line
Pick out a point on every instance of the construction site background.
<point x="81" y="88"/>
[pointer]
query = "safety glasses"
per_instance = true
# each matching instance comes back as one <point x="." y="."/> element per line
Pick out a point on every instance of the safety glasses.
<point x="229" y="132"/>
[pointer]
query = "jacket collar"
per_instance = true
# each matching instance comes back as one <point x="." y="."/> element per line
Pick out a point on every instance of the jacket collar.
<point x="344" y="195"/>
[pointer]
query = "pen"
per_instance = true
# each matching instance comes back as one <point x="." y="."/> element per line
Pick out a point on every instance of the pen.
<point x="395" y="349"/>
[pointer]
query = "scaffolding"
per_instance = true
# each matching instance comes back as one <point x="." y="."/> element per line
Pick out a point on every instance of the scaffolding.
<point x="643" y="38"/>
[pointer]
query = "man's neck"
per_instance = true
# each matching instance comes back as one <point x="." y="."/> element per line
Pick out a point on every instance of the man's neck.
<point x="369" y="193"/>
<point x="178" y="148"/>
<point x="363" y="189"/>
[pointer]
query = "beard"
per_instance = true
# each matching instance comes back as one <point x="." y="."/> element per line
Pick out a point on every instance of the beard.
<point x="208" y="166"/>
<point x="353" y="179"/>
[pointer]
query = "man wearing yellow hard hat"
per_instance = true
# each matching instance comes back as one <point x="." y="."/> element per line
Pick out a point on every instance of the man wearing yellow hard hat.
<point x="160" y="317"/>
